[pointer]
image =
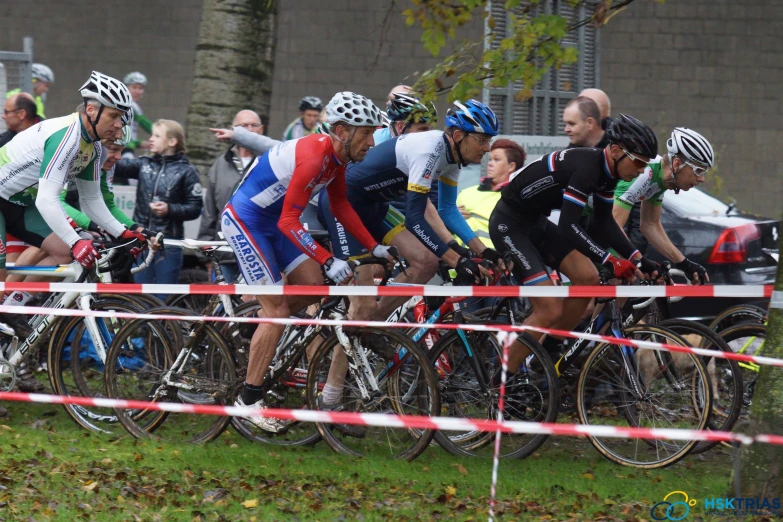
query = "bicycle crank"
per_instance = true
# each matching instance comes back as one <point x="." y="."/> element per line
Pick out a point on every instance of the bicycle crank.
<point x="7" y="375"/>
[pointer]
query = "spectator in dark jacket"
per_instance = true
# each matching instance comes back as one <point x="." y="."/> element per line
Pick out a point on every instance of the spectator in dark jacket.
<point x="168" y="194"/>
<point x="223" y="176"/>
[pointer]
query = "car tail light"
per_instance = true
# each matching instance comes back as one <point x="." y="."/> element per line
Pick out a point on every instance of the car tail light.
<point x="732" y="245"/>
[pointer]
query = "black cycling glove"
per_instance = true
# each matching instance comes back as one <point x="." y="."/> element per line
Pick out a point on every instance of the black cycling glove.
<point x="647" y="266"/>
<point x="690" y="268"/>
<point x="461" y="250"/>
<point x="468" y="269"/>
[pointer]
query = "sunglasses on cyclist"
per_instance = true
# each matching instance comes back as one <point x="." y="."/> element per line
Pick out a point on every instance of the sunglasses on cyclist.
<point x="638" y="162"/>
<point x="698" y="171"/>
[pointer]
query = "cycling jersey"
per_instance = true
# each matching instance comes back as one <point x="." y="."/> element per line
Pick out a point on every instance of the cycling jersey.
<point x="649" y="186"/>
<point x="409" y="164"/>
<point x="296" y="129"/>
<point x="261" y="220"/>
<point x="37" y="164"/>
<point x="107" y="192"/>
<point x="565" y="179"/>
<point x="382" y="135"/>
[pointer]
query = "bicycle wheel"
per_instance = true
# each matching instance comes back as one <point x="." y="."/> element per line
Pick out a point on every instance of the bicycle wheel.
<point x="725" y="377"/>
<point x="289" y="392"/>
<point x="390" y="374"/>
<point x="744" y="313"/>
<point x="137" y="369"/>
<point x="468" y="368"/>
<point x="76" y="366"/>
<point x="626" y="386"/>
<point x="747" y="339"/>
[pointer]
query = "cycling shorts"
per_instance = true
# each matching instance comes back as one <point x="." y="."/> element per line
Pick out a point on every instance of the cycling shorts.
<point x="383" y="222"/>
<point x="531" y="239"/>
<point x="26" y="223"/>
<point x="263" y="252"/>
<point x="13" y="245"/>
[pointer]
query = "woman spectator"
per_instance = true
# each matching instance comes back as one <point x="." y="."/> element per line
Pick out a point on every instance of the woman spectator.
<point x="168" y="194"/>
<point x="476" y="203"/>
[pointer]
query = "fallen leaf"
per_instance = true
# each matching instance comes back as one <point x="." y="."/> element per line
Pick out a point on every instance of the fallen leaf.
<point x="90" y="486"/>
<point x="247" y="504"/>
<point x="588" y="476"/>
<point x="451" y="490"/>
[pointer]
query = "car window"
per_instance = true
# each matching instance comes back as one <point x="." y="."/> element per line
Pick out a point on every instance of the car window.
<point x="694" y="203"/>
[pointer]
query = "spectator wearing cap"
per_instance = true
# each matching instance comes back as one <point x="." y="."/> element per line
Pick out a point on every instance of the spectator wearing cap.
<point x="248" y="142"/>
<point x="19" y="113"/>
<point x="43" y="77"/>
<point x="310" y="108"/>
<point x="136" y="83"/>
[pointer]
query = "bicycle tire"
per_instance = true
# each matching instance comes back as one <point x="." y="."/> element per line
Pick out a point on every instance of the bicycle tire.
<point x="604" y="390"/>
<point x="409" y="387"/>
<point x="84" y="368"/>
<point x="285" y="394"/>
<point x="210" y="371"/>
<point x="739" y="314"/>
<point x="737" y="338"/>
<point x="725" y="374"/>
<point x="529" y="398"/>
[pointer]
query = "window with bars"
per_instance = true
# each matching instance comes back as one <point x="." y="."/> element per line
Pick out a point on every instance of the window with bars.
<point x="541" y="115"/>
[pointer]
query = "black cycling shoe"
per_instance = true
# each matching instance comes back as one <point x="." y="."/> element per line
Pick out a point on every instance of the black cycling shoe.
<point x="349" y="430"/>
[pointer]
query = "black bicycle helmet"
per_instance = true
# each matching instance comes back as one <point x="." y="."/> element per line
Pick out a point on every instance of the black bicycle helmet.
<point x="310" y="103"/>
<point x="633" y="136"/>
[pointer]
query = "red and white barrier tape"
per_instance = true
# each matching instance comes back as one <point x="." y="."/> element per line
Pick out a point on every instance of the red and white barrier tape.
<point x="760" y="291"/>
<point x="506" y="340"/>
<point x="405" y="421"/>
<point x="770" y="361"/>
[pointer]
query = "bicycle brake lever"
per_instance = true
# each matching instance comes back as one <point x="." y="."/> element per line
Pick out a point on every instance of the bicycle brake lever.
<point x="396" y="256"/>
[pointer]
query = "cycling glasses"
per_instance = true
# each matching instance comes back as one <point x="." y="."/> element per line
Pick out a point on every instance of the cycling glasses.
<point x="638" y="162"/>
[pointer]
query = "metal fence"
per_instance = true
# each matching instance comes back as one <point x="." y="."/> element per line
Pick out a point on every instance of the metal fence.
<point x="16" y="72"/>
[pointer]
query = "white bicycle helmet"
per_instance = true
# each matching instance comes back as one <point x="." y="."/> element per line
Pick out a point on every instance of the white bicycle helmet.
<point x="135" y="77"/>
<point x="692" y="146"/>
<point x="353" y="109"/>
<point x="125" y="138"/>
<point x="107" y="90"/>
<point x="42" y="73"/>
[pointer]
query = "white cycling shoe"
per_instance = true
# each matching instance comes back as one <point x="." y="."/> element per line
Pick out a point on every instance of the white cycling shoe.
<point x="265" y="423"/>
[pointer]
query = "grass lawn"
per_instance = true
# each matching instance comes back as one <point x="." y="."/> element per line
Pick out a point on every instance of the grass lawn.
<point x="51" y="470"/>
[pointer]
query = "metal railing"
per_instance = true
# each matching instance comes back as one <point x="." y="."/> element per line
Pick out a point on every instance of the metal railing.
<point x="16" y="71"/>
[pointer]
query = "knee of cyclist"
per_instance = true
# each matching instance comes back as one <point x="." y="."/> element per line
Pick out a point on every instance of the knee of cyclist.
<point x="278" y="310"/>
<point x="424" y="263"/>
<point x="549" y="312"/>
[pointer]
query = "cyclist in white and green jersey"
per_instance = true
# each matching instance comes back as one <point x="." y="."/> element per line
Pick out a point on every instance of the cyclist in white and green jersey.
<point x="38" y="162"/>
<point x="689" y="158"/>
<point x="112" y="154"/>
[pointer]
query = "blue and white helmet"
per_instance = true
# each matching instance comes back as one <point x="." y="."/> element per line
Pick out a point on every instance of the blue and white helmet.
<point x="472" y="116"/>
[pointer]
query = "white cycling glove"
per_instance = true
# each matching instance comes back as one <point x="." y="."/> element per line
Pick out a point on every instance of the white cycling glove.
<point x="337" y="270"/>
<point x="381" y="251"/>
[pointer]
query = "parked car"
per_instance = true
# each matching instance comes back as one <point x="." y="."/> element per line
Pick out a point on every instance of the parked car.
<point x="735" y="247"/>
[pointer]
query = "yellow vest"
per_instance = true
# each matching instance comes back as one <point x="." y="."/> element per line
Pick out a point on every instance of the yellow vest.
<point x="480" y="204"/>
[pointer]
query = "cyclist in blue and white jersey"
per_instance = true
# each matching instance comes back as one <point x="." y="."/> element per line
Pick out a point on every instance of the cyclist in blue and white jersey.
<point x="408" y="166"/>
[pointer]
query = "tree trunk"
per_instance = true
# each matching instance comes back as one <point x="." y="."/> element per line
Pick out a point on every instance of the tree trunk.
<point x="234" y="64"/>
<point x="761" y="470"/>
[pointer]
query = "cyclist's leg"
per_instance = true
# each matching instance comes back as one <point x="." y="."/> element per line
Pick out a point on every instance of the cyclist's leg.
<point x="521" y="237"/>
<point x="581" y="271"/>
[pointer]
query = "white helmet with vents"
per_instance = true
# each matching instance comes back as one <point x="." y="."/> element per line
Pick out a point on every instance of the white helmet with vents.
<point x="107" y="90"/>
<point x="692" y="146"/>
<point x="42" y="73"/>
<point x="135" y="77"/>
<point x="353" y="109"/>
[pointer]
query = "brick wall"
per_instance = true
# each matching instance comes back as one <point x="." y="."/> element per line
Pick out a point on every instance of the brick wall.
<point x="715" y="66"/>
<point x="73" y="38"/>
<point x="326" y="47"/>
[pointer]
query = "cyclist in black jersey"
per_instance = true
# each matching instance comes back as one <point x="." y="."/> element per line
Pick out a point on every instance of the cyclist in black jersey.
<point x="564" y="180"/>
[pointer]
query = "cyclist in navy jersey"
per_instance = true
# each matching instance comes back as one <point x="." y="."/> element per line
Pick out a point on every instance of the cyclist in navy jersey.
<point x="564" y="180"/>
<point x="408" y="166"/>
